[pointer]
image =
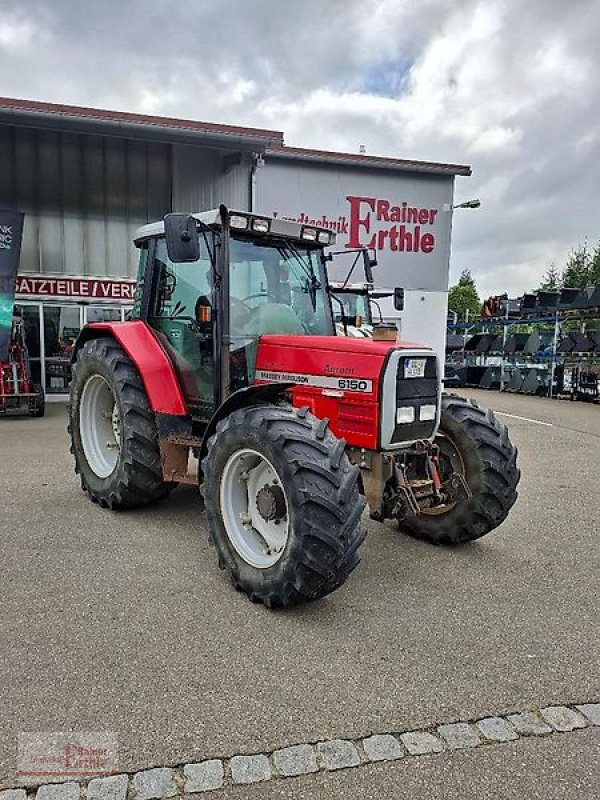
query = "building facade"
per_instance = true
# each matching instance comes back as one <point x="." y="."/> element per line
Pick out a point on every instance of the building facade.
<point x="86" y="179"/>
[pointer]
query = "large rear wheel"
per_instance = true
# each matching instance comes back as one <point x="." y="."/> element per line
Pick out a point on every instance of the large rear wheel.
<point x="113" y="432"/>
<point x="283" y="504"/>
<point x="474" y="444"/>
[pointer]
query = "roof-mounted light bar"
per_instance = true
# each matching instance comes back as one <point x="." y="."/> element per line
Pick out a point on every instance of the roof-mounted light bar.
<point x="261" y="225"/>
<point x="239" y="221"/>
<point x="315" y="235"/>
<point x="243" y="222"/>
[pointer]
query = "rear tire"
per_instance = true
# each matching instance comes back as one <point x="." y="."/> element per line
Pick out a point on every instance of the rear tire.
<point x="316" y="492"/>
<point x="113" y="433"/>
<point x="490" y="470"/>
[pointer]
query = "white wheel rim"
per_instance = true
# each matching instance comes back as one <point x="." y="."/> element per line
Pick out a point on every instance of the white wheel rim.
<point x="99" y="426"/>
<point x="259" y="541"/>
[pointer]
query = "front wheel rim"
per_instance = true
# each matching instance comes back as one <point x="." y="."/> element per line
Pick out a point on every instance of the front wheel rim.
<point x="254" y="508"/>
<point x="100" y="426"/>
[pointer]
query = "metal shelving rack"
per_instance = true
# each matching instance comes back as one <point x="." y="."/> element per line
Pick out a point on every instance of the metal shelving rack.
<point x="557" y="320"/>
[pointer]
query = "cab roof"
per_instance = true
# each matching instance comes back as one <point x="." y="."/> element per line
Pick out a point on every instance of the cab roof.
<point x="212" y="218"/>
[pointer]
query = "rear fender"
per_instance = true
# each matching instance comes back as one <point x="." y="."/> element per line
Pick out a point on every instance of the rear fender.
<point x="143" y="348"/>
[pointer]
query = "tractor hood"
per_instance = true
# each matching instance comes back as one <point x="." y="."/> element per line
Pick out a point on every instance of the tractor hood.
<point x="338" y="344"/>
<point x="353" y="382"/>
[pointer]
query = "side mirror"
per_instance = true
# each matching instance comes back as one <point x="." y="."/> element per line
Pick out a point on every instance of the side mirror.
<point x="181" y="235"/>
<point x="369" y="261"/>
<point x="399" y="298"/>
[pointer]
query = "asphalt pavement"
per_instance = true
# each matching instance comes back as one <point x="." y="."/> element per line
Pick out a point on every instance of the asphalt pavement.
<point x="123" y="622"/>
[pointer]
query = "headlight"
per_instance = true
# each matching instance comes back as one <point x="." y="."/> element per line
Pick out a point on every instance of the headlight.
<point x="405" y="415"/>
<point x="427" y="413"/>
<point x="324" y="237"/>
<point x="310" y="234"/>
<point x="238" y="221"/>
<point x="260" y="225"/>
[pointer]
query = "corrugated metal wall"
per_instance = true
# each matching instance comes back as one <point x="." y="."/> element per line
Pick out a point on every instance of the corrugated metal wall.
<point x="203" y="178"/>
<point x="83" y="197"/>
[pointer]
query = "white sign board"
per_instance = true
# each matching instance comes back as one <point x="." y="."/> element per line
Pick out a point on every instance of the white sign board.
<point x="400" y="215"/>
<point x="404" y="216"/>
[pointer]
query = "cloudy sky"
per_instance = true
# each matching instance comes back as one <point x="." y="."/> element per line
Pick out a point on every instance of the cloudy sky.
<point x="507" y="86"/>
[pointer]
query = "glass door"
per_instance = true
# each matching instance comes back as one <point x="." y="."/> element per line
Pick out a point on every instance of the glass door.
<point x="32" y="325"/>
<point x="62" y="324"/>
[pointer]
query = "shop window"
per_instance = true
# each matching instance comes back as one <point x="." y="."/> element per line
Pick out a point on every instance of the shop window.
<point x="102" y="314"/>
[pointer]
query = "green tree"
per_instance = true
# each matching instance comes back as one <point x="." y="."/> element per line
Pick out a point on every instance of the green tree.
<point x="463" y="296"/>
<point x="595" y="265"/>
<point x="551" y="280"/>
<point x="579" y="267"/>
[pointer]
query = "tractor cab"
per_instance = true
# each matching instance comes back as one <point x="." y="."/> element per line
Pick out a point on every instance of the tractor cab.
<point x="211" y="284"/>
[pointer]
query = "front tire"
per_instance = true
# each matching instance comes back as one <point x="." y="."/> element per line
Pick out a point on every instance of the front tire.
<point x="479" y="446"/>
<point x="113" y="433"/>
<point x="283" y="504"/>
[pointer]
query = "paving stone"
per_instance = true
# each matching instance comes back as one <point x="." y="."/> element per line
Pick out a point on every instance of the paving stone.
<point x="529" y="724"/>
<point x="13" y="794"/>
<point x="114" y="787"/>
<point x="382" y="747"/>
<point x="459" y="735"/>
<point x="250" y="769"/>
<point x="338" y="754"/>
<point x="591" y="711"/>
<point x="420" y="743"/>
<point x="203" y="777"/>
<point x="496" y="729"/>
<point x="58" y="791"/>
<point x="298" y="760"/>
<point x="152" y="784"/>
<point x="563" y="719"/>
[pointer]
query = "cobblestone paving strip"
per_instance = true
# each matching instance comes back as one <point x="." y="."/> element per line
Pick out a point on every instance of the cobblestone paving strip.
<point x="189" y="781"/>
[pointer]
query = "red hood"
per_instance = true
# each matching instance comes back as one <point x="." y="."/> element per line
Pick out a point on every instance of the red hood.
<point x="339" y="344"/>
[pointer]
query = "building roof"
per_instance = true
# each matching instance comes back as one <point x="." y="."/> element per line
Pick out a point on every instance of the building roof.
<point x="32" y="111"/>
<point x="124" y="123"/>
<point x="362" y="160"/>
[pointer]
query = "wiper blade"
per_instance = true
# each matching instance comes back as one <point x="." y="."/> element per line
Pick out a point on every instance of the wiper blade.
<point x="313" y="284"/>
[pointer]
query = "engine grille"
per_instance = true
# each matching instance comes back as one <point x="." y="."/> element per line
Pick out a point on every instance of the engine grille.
<point x="415" y="392"/>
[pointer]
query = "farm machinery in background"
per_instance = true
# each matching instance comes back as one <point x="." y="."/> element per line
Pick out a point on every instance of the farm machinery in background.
<point x="232" y="356"/>
<point x="18" y="394"/>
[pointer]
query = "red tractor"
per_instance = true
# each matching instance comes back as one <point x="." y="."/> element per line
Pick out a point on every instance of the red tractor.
<point x="232" y="357"/>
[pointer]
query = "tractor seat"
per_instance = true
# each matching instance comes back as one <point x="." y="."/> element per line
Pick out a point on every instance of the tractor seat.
<point x="268" y="318"/>
<point x="273" y="318"/>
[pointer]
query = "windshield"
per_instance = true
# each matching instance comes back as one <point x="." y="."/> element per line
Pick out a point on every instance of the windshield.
<point x="276" y="289"/>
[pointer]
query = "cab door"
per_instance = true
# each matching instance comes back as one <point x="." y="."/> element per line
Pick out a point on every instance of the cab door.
<point x="182" y="316"/>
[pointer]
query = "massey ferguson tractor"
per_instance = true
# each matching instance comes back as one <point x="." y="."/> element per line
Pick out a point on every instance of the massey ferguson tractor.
<point x="232" y="357"/>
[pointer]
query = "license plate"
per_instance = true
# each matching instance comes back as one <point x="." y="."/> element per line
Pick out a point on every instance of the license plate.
<point x="414" y="367"/>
